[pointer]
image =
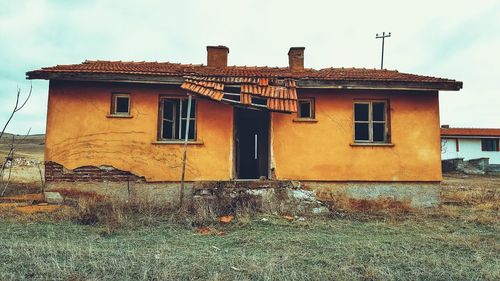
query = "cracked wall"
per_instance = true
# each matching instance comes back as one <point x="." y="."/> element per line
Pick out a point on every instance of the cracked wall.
<point x="79" y="133"/>
<point x="322" y="150"/>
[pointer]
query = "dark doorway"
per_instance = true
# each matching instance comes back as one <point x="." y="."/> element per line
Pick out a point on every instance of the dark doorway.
<point x="252" y="143"/>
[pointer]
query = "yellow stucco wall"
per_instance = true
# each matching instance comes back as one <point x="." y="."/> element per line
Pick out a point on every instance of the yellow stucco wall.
<point x="323" y="150"/>
<point x="80" y="134"/>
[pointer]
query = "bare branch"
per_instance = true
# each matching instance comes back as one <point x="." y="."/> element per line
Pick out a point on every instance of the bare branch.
<point x="26" y="100"/>
<point x="8" y="177"/>
<point x="4" y="183"/>
<point x="10" y="158"/>
<point x="16" y="108"/>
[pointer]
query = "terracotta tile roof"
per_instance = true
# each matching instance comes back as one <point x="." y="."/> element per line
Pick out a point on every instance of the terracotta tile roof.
<point x="175" y="69"/>
<point x="279" y="95"/>
<point x="480" y="132"/>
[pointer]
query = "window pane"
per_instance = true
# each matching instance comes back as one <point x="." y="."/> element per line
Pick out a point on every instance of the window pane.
<point x="305" y="109"/>
<point x="122" y="104"/>
<point x="361" y="131"/>
<point x="184" y="108"/>
<point x="235" y="97"/>
<point x="191" y="129"/>
<point x="484" y="145"/>
<point x="168" y="110"/>
<point x="192" y="125"/>
<point x="378" y="111"/>
<point x="379" y="132"/>
<point x="177" y="132"/>
<point x="167" y="130"/>
<point x="193" y="108"/>
<point x="260" y="101"/>
<point x="173" y="125"/>
<point x="361" y="112"/>
<point x="489" y="145"/>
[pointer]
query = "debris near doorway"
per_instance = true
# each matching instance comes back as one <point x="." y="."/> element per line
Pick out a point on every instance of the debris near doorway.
<point x="223" y="201"/>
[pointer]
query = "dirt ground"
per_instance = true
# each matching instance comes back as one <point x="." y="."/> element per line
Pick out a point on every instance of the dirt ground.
<point x="460" y="189"/>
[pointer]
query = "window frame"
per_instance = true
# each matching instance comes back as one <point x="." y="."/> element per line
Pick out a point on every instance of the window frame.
<point x="161" y="100"/>
<point x="312" y="109"/>
<point x="114" y="104"/>
<point x="370" y="122"/>
<point x="497" y="144"/>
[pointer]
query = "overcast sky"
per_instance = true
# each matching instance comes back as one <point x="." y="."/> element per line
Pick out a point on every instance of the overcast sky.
<point x="450" y="39"/>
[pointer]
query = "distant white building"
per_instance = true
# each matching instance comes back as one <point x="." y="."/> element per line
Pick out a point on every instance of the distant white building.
<point x="470" y="143"/>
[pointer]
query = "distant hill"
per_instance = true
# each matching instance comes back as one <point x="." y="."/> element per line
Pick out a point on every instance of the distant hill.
<point x="30" y="147"/>
<point x="31" y="139"/>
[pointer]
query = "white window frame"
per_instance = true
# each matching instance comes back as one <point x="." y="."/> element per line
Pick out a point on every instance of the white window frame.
<point x="497" y="144"/>
<point x="176" y="115"/>
<point x="370" y="121"/>
<point x="311" y="108"/>
<point x="114" y="107"/>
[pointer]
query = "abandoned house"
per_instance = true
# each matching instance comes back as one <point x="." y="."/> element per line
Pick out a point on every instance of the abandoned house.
<point x="365" y="132"/>
<point x="470" y="143"/>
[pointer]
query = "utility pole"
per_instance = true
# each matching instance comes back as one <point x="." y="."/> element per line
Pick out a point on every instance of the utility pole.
<point x="383" y="36"/>
<point x="186" y="138"/>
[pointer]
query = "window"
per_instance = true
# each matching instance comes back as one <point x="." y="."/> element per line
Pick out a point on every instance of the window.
<point x="305" y="108"/>
<point x="370" y="121"/>
<point x="173" y="119"/>
<point x="120" y="104"/>
<point x="489" y="145"/>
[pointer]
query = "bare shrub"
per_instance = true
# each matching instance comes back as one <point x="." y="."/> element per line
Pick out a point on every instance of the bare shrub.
<point x="204" y="210"/>
<point x="112" y="214"/>
<point x="7" y="163"/>
<point x="103" y="212"/>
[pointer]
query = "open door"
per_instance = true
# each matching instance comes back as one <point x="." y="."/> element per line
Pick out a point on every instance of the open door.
<point x="251" y="143"/>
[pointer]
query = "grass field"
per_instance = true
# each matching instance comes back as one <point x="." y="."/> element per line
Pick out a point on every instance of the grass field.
<point x="315" y="249"/>
<point x="458" y="241"/>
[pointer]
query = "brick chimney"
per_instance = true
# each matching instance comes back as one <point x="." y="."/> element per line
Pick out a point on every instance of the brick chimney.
<point x="217" y="56"/>
<point x="296" y="58"/>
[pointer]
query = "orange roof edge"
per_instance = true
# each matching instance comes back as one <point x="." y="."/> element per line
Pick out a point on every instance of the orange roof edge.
<point x="480" y="132"/>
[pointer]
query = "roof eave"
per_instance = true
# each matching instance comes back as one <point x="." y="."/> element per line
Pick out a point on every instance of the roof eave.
<point x="470" y="136"/>
<point x="381" y="85"/>
<point x="105" y="77"/>
<point x="301" y="83"/>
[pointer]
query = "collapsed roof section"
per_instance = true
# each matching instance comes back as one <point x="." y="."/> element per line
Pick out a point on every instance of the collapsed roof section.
<point x="277" y="95"/>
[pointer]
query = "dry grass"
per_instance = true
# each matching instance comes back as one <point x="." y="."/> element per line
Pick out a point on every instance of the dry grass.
<point x="96" y="238"/>
<point x="252" y="249"/>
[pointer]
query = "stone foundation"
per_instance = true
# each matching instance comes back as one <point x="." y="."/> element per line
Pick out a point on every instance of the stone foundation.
<point x="415" y="194"/>
<point x="479" y="166"/>
<point x="209" y="199"/>
<point x="272" y="194"/>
